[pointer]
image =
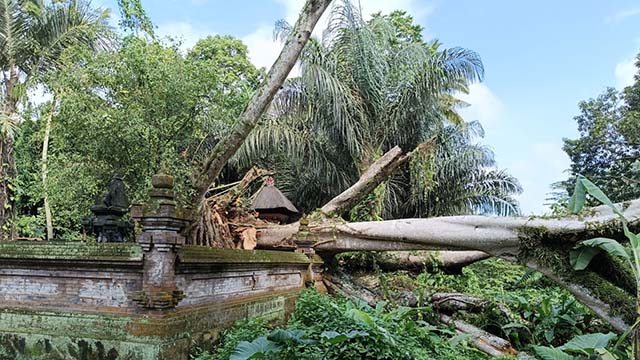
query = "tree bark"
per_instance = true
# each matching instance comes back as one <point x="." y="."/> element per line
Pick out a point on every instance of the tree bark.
<point x="227" y="147"/>
<point x="7" y="159"/>
<point x="482" y="340"/>
<point x="539" y="243"/>
<point x="419" y="261"/>
<point x="45" y="153"/>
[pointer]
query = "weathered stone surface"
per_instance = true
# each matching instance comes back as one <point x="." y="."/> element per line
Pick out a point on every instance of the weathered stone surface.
<point x="82" y="300"/>
<point x="144" y="301"/>
<point x="67" y="251"/>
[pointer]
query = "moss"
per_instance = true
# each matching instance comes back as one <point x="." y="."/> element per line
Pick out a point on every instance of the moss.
<point x="135" y="336"/>
<point x="71" y="251"/>
<point x="205" y="254"/>
<point x="615" y="271"/>
<point x="622" y="304"/>
<point x="537" y="246"/>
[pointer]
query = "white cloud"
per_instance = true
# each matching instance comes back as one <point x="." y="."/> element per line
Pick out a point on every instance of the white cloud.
<point x="263" y="48"/>
<point x="185" y="32"/>
<point x="539" y="166"/>
<point x="625" y="70"/>
<point x="484" y="105"/>
<point x="622" y="15"/>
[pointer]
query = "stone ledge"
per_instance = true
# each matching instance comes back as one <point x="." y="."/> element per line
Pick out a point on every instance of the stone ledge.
<point x="70" y="251"/>
<point x="193" y="254"/>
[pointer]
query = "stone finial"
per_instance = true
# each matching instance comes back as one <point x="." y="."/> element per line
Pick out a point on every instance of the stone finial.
<point x="161" y="222"/>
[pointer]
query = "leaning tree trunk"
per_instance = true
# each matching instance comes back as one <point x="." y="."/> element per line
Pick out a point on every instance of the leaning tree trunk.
<point x="45" y="153"/>
<point x="7" y="159"/>
<point x="227" y="147"/>
<point x="206" y="231"/>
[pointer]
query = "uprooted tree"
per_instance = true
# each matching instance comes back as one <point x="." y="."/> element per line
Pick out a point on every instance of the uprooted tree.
<point x="544" y="244"/>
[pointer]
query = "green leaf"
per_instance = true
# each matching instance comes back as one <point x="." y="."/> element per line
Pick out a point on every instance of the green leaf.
<point x="595" y="191"/>
<point x="605" y="354"/>
<point x="548" y="353"/>
<point x="256" y="349"/>
<point x="458" y="339"/>
<point x="581" y="256"/>
<point x="281" y="336"/>
<point x="589" y="342"/>
<point x="362" y="317"/>
<point x="611" y="246"/>
<point x="633" y="238"/>
<point x="577" y="200"/>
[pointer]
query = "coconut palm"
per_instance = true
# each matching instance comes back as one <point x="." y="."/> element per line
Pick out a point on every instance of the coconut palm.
<point x="363" y="90"/>
<point x="33" y="35"/>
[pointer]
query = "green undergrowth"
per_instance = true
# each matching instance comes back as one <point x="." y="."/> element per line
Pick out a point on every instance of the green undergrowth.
<point x="521" y="306"/>
<point x="326" y="327"/>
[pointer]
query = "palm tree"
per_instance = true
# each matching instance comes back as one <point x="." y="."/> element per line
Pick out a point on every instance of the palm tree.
<point x="361" y="91"/>
<point x="33" y="36"/>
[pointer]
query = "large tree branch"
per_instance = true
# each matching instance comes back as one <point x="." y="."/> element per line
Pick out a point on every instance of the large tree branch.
<point x="227" y="147"/>
<point x="378" y="172"/>
<point x="539" y="243"/>
<point x="372" y="177"/>
<point x="419" y="261"/>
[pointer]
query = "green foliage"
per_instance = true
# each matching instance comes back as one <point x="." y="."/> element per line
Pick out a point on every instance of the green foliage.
<point x="631" y="255"/>
<point x="407" y="31"/>
<point x="138" y="110"/>
<point x="608" y="149"/>
<point x="243" y="331"/>
<point x="134" y="18"/>
<point x="30" y="226"/>
<point x="364" y="88"/>
<point x="590" y="346"/>
<point x="328" y="328"/>
<point x="34" y="34"/>
<point x="522" y="306"/>
<point x="580" y="258"/>
<point x="548" y="320"/>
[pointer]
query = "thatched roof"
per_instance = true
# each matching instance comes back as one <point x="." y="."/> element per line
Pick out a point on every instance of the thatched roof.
<point x="269" y="197"/>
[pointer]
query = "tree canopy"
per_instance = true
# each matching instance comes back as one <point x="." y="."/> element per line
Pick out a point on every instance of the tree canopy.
<point x="608" y="149"/>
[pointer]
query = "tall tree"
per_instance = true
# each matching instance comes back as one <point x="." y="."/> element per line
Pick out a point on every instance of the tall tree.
<point x="33" y="35"/>
<point x="152" y="107"/>
<point x="364" y="88"/>
<point x="608" y="149"/>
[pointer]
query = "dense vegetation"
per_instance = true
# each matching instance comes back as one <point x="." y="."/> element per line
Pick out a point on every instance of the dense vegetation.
<point x="136" y="105"/>
<point x="608" y="149"/>
<point x="140" y="105"/>
<point x="522" y="306"/>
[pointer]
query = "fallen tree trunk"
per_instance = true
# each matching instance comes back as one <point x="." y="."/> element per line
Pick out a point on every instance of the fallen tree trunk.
<point x="540" y="243"/>
<point x="482" y="340"/>
<point x="419" y="261"/>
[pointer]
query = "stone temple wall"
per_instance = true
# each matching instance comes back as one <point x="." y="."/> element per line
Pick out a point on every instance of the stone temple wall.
<point x="90" y="301"/>
<point x="145" y="300"/>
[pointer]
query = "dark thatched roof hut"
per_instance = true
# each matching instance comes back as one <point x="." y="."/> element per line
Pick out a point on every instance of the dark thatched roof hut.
<point x="271" y="204"/>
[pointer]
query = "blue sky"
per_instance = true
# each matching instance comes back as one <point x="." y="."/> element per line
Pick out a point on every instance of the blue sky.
<point x="541" y="58"/>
